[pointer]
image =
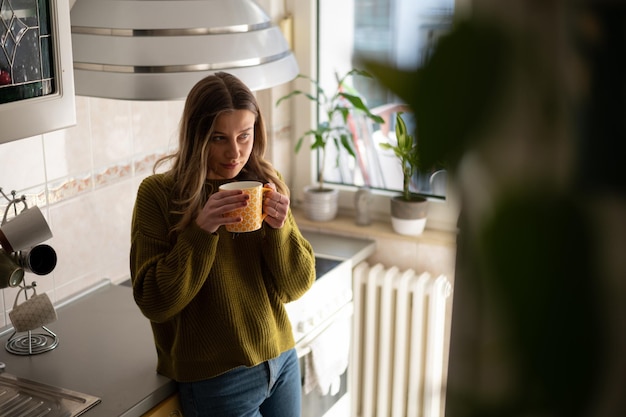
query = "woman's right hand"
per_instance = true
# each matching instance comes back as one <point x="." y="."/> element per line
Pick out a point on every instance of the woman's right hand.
<point x="211" y="217"/>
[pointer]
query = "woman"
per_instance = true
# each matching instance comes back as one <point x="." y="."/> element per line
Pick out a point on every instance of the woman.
<point x="215" y="299"/>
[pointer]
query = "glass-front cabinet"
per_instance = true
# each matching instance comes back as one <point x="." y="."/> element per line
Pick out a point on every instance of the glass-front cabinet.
<point x="26" y="66"/>
<point x="36" y="78"/>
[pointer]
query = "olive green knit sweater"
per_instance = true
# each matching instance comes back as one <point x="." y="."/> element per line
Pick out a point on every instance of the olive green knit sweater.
<point x="214" y="300"/>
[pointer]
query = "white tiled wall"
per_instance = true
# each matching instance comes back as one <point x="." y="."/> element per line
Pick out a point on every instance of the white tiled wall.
<point x="84" y="179"/>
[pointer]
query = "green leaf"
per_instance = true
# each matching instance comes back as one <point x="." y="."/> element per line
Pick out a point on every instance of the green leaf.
<point x="344" y="100"/>
<point x="357" y="102"/>
<point x="299" y="143"/>
<point x="401" y="134"/>
<point x="347" y="144"/>
<point x="319" y="142"/>
<point x="320" y="98"/>
<point x="454" y="94"/>
<point x="345" y="112"/>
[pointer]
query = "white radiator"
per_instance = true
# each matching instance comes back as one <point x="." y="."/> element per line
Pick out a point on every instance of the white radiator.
<point x="397" y="367"/>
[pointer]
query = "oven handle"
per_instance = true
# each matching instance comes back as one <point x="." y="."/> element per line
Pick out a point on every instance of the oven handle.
<point x="303" y="348"/>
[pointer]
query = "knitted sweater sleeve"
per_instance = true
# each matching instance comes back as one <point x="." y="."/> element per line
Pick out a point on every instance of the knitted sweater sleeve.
<point x="166" y="274"/>
<point x="290" y="259"/>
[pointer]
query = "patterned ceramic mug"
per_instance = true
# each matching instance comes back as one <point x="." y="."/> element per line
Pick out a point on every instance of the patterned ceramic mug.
<point x="35" y="312"/>
<point x="252" y="214"/>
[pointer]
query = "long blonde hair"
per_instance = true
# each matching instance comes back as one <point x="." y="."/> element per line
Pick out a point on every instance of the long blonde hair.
<point x="210" y="97"/>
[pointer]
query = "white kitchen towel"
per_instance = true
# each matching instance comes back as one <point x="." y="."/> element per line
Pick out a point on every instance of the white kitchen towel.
<point x="328" y="358"/>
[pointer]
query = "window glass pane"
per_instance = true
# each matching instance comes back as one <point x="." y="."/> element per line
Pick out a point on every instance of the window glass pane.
<point x="400" y="32"/>
<point x="26" y="61"/>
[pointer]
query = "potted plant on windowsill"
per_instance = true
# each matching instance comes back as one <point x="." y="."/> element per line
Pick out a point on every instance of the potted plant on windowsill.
<point x="408" y="210"/>
<point x="320" y="201"/>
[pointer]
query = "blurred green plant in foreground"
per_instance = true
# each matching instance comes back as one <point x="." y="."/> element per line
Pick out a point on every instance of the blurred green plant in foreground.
<point x="512" y="110"/>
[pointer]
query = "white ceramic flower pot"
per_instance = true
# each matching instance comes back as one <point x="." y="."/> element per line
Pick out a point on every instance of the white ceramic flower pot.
<point x="320" y="205"/>
<point x="408" y="217"/>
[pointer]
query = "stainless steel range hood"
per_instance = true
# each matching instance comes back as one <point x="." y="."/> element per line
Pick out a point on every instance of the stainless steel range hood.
<point x="158" y="49"/>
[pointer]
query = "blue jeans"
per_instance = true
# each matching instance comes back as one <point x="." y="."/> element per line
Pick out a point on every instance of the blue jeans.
<point x="271" y="389"/>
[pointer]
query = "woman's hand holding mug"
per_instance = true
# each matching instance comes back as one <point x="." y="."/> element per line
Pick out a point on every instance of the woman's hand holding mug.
<point x="242" y="206"/>
<point x="276" y="206"/>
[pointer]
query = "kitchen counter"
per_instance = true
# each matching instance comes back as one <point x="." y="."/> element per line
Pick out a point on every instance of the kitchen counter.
<point x="105" y="350"/>
<point x="106" y="347"/>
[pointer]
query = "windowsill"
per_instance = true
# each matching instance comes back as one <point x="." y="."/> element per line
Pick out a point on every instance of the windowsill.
<point x="344" y="224"/>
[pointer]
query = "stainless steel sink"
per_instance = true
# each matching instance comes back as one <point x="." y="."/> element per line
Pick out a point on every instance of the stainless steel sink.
<point x="23" y="398"/>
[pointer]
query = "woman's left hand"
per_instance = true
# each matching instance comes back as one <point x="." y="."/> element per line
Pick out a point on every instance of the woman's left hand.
<point x="276" y="206"/>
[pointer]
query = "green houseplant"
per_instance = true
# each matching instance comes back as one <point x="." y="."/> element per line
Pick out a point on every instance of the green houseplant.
<point x="408" y="210"/>
<point x="529" y="281"/>
<point x="320" y="201"/>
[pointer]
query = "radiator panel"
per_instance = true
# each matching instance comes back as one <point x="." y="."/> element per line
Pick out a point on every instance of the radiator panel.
<point x="399" y="332"/>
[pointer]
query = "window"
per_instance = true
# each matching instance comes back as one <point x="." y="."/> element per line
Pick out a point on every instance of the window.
<point x="339" y="31"/>
<point x="400" y="32"/>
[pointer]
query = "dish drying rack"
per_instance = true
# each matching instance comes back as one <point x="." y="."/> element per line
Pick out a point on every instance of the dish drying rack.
<point x="30" y="342"/>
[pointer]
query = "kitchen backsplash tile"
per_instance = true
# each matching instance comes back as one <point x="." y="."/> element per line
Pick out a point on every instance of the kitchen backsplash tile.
<point x="68" y="151"/>
<point x="22" y="164"/>
<point x="113" y="208"/>
<point x="113" y="173"/>
<point x="144" y="164"/>
<point x="111" y="131"/>
<point x="92" y="237"/>
<point x="84" y="179"/>
<point x="155" y="125"/>
<point x="35" y="196"/>
<point x="69" y="187"/>
<point x="76" y="227"/>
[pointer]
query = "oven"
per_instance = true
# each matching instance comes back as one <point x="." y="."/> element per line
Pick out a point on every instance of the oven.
<point x="322" y="325"/>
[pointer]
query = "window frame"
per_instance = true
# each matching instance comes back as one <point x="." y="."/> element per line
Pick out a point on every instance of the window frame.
<point x="442" y="213"/>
